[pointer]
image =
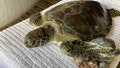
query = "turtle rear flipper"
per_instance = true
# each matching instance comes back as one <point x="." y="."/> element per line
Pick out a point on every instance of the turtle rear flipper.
<point x="113" y="12"/>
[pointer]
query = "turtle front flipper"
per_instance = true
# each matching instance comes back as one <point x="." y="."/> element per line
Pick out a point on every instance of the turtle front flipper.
<point x="113" y="12"/>
<point x="36" y="19"/>
<point x="39" y="36"/>
<point x="76" y="50"/>
<point x="87" y="51"/>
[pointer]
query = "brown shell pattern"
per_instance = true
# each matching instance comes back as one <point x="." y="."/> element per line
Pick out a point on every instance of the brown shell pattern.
<point x="86" y="20"/>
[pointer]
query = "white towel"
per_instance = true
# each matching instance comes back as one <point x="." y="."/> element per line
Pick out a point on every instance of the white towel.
<point x="12" y="45"/>
<point x="47" y="56"/>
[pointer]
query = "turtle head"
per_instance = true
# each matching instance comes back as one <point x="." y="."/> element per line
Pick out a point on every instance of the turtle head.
<point x="36" y="19"/>
<point x="39" y="36"/>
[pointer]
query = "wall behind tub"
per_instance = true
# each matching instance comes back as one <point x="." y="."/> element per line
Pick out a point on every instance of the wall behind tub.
<point x="12" y="9"/>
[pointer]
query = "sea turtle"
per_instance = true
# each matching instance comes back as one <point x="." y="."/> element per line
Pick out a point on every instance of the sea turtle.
<point x="71" y="21"/>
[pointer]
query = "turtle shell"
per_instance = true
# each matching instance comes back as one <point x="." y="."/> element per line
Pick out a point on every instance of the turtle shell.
<point x="85" y="20"/>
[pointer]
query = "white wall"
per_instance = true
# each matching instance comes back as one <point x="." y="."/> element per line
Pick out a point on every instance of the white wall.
<point x="12" y="9"/>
